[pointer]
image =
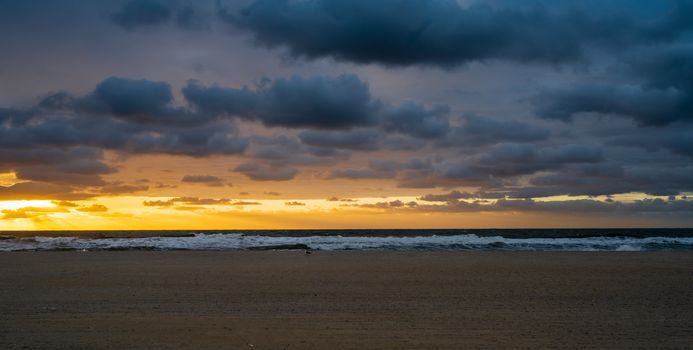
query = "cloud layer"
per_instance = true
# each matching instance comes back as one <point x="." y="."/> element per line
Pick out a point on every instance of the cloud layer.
<point x="493" y="106"/>
<point x="442" y="32"/>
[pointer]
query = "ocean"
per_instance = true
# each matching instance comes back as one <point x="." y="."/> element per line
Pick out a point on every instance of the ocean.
<point x="329" y="240"/>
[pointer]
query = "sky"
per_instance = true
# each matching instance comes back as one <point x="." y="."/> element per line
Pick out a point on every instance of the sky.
<point x="288" y="114"/>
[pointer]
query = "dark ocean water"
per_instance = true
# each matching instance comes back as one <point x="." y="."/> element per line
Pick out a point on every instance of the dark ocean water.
<point x="462" y="239"/>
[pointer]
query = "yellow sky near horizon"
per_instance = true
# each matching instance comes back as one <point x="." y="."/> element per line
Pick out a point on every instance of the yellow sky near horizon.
<point x="302" y="203"/>
<point x="129" y="213"/>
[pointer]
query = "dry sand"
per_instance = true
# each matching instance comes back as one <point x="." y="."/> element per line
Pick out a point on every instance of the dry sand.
<point x="345" y="300"/>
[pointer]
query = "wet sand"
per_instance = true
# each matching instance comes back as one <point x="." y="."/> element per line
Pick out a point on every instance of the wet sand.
<point x="345" y="300"/>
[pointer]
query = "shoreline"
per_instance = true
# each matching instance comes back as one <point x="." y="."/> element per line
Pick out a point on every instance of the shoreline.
<point x="345" y="299"/>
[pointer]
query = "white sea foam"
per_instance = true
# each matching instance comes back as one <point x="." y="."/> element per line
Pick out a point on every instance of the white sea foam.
<point x="338" y="242"/>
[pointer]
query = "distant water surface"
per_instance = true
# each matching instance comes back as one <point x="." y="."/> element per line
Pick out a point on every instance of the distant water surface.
<point x="462" y="239"/>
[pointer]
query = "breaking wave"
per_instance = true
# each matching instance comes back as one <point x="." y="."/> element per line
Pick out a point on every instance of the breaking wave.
<point x="237" y="241"/>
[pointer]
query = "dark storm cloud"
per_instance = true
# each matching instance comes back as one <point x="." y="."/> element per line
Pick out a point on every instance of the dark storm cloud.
<point x="647" y="106"/>
<point x="446" y="197"/>
<point x="142" y="106"/>
<point x="139" y="116"/>
<point x="663" y="66"/>
<point x="457" y="195"/>
<point x="265" y="172"/>
<point x="72" y="158"/>
<point x="581" y="205"/>
<point x="190" y="18"/>
<point x="398" y="127"/>
<point x="74" y="175"/>
<point x="357" y="139"/>
<point x="663" y="94"/>
<point x="118" y="187"/>
<point x="506" y="160"/>
<point x="587" y="179"/>
<point x="128" y="97"/>
<point x="406" y="172"/>
<point x="137" y="101"/>
<point x="676" y="139"/>
<point x="136" y="116"/>
<point x="403" y="143"/>
<point x="654" y="206"/>
<point x="208" y="180"/>
<point x="442" y="33"/>
<point x="479" y="131"/>
<point x="58" y="174"/>
<point x="69" y="149"/>
<point x="221" y="137"/>
<point x="490" y="168"/>
<point x="396" y="204"/>
<point x="281" y="150"/>
<point x="360" y="173"/>
<point x="14" y="115"/>
<point x="74" y="166"/>
<point x="413" y="119"/>
<point x="639" y="70"/>
<point x="317" y="102"/>
<point x="142" y="14"/>
<point x="137" y="13"/>
<point x="39" y="190"/>
<point x="602" y="179"/>
<point x="62" y="139"/>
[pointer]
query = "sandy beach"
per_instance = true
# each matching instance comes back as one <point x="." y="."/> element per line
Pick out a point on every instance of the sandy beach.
<point x="345" y="300"/>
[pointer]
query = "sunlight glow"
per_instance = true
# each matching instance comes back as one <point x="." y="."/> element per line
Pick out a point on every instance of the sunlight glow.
<point x="18" y="204"/>
<point x="7" y="179"/>
<point x="130" y="212"/>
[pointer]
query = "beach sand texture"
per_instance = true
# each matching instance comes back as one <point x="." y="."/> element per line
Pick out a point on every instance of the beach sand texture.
<point x="346" y="300"/>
